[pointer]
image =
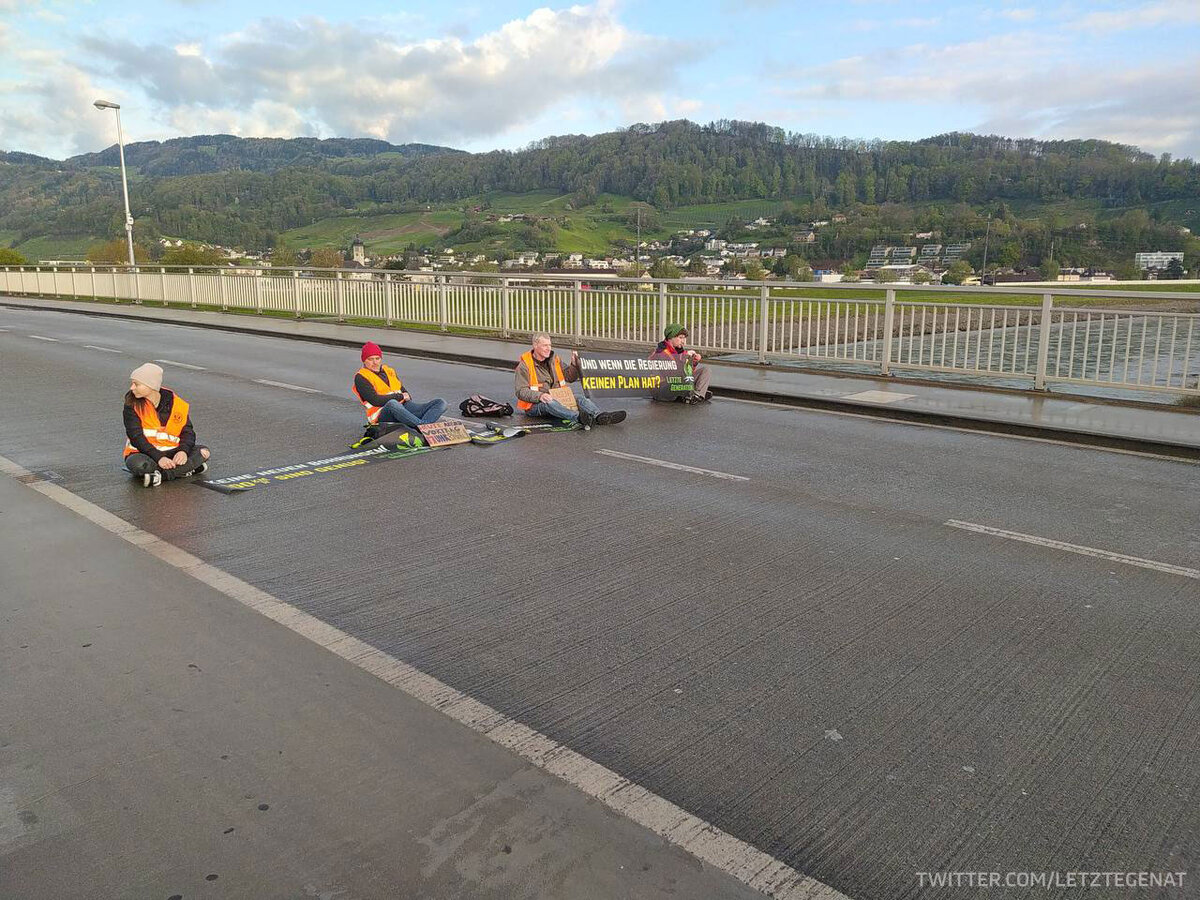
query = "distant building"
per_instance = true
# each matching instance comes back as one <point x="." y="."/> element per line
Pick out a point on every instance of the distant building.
<point x="358" y="251"/>
<point x="1157" y="259"/>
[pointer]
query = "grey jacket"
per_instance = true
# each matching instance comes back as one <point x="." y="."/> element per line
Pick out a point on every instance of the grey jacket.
<point x="545" y="377"/>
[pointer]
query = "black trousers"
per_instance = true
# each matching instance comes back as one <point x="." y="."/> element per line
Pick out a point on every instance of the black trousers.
<point x="141" y="464"/>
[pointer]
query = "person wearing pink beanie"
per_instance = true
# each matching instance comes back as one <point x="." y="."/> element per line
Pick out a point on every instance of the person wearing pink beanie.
<point x="382" y="394"/>
<point x="160" y="442"/>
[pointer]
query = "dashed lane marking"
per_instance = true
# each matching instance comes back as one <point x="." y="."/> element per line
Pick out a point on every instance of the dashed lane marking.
<point x="171" y="362"/>
<point x="1109" y="555"/>
<point x="102" y="349"/>
<point x="679" y="467"/>
<point x="701" y="839"/>
<point x="38" y="337"/>
<point x="290" y="387"/>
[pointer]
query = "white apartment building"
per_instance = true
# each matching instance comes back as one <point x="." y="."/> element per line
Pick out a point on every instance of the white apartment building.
<point x="1156" y="259"/>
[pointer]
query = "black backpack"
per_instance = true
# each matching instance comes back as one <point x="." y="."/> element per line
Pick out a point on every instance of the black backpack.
<point x="479" y="406"/>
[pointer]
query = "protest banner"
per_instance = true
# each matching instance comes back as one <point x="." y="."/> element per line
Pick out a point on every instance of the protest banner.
<point x="610" y="375"/>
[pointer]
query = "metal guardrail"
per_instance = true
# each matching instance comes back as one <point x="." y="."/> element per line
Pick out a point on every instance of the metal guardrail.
<point x="1128" y="348"/>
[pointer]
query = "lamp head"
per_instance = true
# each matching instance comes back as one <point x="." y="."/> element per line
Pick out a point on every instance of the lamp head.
<point x="106" y="104"/>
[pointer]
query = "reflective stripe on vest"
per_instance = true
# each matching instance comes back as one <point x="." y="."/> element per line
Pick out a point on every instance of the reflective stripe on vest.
<point x="534" y="384"/>
<point x="161" y="437"/>
<point x="392" y="385"/>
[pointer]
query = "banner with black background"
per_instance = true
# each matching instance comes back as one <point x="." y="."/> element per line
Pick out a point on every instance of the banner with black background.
<point x="611" y="375"/>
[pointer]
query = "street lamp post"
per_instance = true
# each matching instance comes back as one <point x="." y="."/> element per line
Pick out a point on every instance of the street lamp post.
<point x="116" y="107"/>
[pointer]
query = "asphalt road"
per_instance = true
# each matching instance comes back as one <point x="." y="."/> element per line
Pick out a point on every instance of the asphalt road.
<point x="810" y="659"/>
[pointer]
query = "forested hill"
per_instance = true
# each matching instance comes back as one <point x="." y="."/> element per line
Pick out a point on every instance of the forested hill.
<point x="210" y="153"/>
<point x="249" y="201"/>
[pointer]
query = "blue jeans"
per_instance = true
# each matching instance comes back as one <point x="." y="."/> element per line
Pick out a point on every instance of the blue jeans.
<point x="555" y="410"/>
<point x="411" y="413"/>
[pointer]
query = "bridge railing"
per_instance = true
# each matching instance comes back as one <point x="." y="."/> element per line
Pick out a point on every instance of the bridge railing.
<point x="1045" y="335"/>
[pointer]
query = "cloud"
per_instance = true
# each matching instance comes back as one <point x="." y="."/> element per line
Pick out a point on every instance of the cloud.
<point x="353" y="81"/>
<point x="1021" y="84"/>
<point x="1149" y="15"/>
<point x="57" y="102"/>
<point x="1018" y="15"/>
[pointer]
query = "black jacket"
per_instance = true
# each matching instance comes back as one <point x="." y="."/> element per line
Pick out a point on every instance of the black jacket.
<point x="133" y="428"/>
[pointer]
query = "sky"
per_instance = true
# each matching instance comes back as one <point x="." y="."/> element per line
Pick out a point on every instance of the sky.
<point x="501" y="74"/>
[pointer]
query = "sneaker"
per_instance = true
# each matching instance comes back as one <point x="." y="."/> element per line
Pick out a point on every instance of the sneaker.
<point x="610" y="418"/>
<point x="201" y="469"/>
<point x="587" y="419"/>
<point x="152" y="479"/>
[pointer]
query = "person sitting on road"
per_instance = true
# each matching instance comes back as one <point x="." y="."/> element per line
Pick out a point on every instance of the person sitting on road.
<point x="384" y="397"/>
<point x="160" y="442"/>
<point x="674" y="346"/>
<point x="539" y="371"/>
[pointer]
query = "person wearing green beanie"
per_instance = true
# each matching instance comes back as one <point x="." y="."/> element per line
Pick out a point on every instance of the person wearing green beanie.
<point x="674" y="346"/>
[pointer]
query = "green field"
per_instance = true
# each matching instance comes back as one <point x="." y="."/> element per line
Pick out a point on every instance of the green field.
<point x="382" y="234"/>
<point x="717" y="214"/>
<point x="50" y="246"/>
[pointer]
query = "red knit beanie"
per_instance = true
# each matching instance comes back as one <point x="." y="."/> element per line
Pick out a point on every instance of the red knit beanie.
<point x="370" y="348"/>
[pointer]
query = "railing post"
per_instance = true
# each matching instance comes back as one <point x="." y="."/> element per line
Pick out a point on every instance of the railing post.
<point x="340" y="291"/>
<point x="221" y="282"/>
<point x="137" y="285"/>
<point x="296" y="293"/>
<point x="577" y="312"/>
<point x="163" y="283"/>
<point x="889" y="320"/>
<point x="1039" y="379"/>
<point x="505" y="308"/>
<point x="662" y="311"/>
<point x="764" y="301"/>
<point x="192" y="286"/>
<point x="389" y="300"/>
<point x="74" y="290"/>
<point x="93" y="268"/>
<point x="258" y="304"/>
<point x="443" y="311"/>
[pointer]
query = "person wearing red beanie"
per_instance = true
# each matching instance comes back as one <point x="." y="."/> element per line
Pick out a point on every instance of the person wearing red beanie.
<point x="382" y="394"/>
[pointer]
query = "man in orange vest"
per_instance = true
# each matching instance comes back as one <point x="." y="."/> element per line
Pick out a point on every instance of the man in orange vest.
<point x="384" y="397"/>
<point x="539" y="371"/>
<point x="159" y="439"/>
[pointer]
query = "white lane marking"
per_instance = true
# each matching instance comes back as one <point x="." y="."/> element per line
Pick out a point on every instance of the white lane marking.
<point x="38" y="337"/>
<point x="978" y="432"/>
<point x="1109" y="555"/>
<point x="171" y="362"/>
<point x="104" y="349"/>
<point x="705" y="841"/>
<point x="290" y="387"/>
<point x="3" y="329"/>
<point x="671" y="465"/>
<point x="878" y="396"/>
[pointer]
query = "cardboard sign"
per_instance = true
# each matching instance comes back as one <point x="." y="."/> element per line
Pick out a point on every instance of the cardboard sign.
<point x="443" y="434"/>
<point x="604" y="375"/>
<point x="566" y="397"/>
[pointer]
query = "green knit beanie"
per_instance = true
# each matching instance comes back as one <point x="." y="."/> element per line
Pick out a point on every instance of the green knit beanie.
<point x="674" y="330"/>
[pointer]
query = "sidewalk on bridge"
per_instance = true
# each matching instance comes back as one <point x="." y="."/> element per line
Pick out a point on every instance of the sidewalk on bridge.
<point x="163" y="740"/>
<point x="1158" y="428"/>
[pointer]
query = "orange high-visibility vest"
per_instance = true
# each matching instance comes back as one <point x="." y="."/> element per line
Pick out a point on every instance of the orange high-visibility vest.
<point x="392" y="385"/>
<point x="163" y="437"/>
<point x="534" y="384"/>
